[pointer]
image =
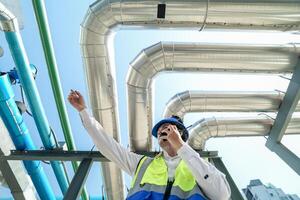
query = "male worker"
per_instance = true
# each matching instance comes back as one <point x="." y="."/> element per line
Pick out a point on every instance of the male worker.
<point x="176" y="173"/>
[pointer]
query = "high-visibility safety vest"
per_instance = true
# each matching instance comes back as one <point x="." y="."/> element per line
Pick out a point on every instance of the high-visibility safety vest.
<point x="150" y="182"/>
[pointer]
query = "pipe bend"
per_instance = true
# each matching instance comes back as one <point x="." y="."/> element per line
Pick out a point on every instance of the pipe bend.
<point x="8" y="21"/>
<point x="260" y="125"/>
<point x="178" y="105"/>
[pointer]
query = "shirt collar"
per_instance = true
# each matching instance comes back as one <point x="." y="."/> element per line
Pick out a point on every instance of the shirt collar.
<point x="168" y="157"/>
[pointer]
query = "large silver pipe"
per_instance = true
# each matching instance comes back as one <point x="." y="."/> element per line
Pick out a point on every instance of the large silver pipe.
<point x="194" y="57"/>
<point x="261" y="125"/>
<point x="225" y="101"/>
<point x="104" y="16"/>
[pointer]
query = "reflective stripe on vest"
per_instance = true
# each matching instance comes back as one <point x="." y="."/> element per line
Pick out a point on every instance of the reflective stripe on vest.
<point x="151" y="179"/>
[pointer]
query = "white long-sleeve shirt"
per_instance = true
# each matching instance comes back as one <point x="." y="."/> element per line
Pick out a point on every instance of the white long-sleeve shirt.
<point x="212" y="182"/>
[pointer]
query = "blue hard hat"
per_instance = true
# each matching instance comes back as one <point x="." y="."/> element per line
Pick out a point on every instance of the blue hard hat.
<point x="172" y="120"/>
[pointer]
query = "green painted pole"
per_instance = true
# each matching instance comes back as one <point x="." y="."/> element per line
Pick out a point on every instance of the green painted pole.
<point x="42" y="20"/>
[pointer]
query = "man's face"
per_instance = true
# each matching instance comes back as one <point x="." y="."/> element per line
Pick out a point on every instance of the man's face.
<point x="162" y="135"/>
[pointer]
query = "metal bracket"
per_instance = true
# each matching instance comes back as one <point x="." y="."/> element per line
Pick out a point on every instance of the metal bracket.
<point x="79" y="179"/>
<point x="287" y="108"/>
<point x="235" y="192"/>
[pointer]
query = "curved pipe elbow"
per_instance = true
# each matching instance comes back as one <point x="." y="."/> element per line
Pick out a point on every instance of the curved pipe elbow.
<point x="8" y="21"/>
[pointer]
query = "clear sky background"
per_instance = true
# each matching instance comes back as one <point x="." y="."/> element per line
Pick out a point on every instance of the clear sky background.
<point x="246" y="158"/>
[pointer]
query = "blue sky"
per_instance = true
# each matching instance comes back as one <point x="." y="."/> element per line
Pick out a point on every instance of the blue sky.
<point x="245" y="158"/>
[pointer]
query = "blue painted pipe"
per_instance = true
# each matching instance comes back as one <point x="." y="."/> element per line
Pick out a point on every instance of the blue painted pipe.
<point x="19" y="133"/>
<point x="24" y="72"/>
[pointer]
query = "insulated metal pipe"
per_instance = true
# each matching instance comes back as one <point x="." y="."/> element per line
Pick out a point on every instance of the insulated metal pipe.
<point x="223" y="101"/>
<point x="207" y="128"/>
<point x="42" y="21"/>
<point x="104" y="16"/>
<point x="194" y="57"/>
<point x="19" y="133"/>
<point x="8" y="21"/>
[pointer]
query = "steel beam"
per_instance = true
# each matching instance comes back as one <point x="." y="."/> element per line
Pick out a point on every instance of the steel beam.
<point x="51" y="155"/>
<point x="288" y="157"/>
<point x="79" y="179"/>
<point x="235" y="192"/>
<point x="88" y="157"/>
<point x="286" y="109"/>
<point x="282" y="120"/>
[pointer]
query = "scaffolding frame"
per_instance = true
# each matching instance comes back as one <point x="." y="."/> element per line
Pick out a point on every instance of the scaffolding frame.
<point x="87" y="158"/>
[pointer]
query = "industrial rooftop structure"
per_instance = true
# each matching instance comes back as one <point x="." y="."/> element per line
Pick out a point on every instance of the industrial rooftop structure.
<point x="276" y="111"/>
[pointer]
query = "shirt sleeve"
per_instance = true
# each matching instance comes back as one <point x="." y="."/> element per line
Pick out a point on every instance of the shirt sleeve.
<point x="212" y="182"/>
<point x="108" y="146"/>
